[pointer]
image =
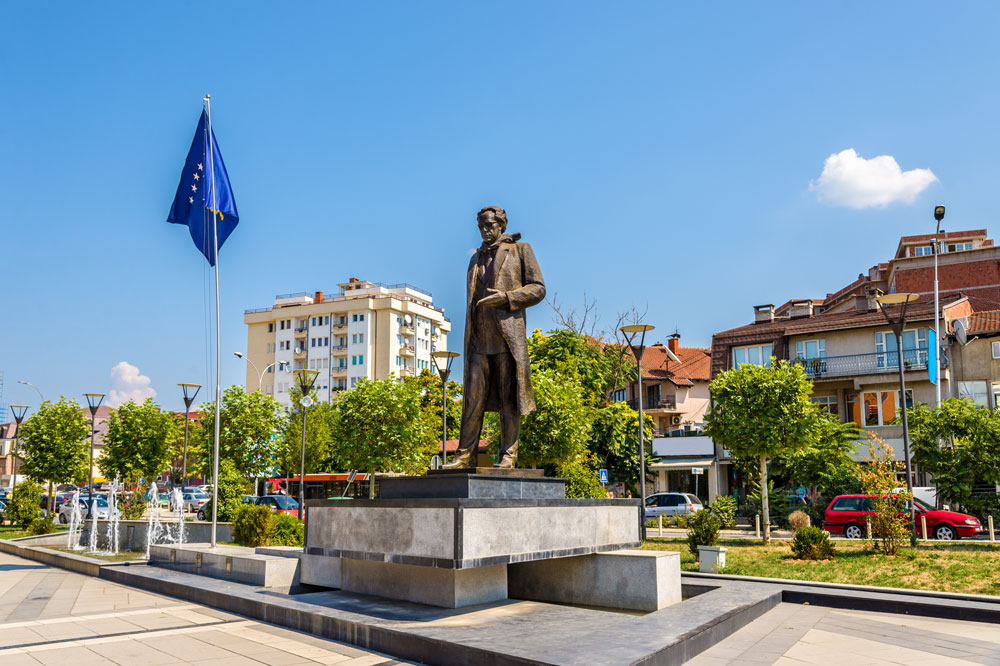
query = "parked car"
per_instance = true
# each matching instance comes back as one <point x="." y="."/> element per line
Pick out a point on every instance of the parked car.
<point x="672" y="504"/>
<point x="848" y="515"/>
<point x="280" y="503"/>
<point x="249" y="499"/>
<point x="192" y="501"/>
<point x="101" y="506"/>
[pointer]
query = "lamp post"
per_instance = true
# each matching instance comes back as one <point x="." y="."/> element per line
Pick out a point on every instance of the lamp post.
<point x="190" y="393"/>
<point x="260" y="373"/>
<point x="306" y="379"/>
<point x="37" y="390"/>
<point x="630" y="332"/>
<point x="897" y="327"/>
<point x="19" y="411"/>
<point x="447" y="357"/>
<point x="94" y="401"/>
<point x="938" y="215"/>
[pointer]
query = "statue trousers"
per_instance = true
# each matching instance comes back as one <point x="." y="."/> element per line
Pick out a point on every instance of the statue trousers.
<point x="498" y="371"/>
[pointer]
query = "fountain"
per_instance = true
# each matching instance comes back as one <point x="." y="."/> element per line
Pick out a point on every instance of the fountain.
<point x="153" y="527"/>
<point x="92" y="503"/>
<point x="75" y="522"/>
<point x="112" y="528"/>
<point x="177" y="499"/>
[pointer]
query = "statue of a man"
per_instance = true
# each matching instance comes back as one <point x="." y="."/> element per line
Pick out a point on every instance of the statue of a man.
<point x="503" y="280"/>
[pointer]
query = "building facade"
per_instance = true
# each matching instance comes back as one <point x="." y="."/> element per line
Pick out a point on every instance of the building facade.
<point x="367" y="330"/>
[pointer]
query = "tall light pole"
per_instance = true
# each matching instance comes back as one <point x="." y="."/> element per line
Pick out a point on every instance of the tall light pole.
<point x="938" y="215"/>
<point x="19" y="411"/>
<point x="306" y="379"/>
<point x="447" y="357"/>
<point x="190" y="393"/>
<point x="897" y="327"/>
<point x="260" y="373"/>
<point x="37" y="390"/>
<point x="94" y="401"/>
<point x="630" y="332"/>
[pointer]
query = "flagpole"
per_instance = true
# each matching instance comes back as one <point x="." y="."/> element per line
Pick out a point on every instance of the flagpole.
<point x="218" y="323"/>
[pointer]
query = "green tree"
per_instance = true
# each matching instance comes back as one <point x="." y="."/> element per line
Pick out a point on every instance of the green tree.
<point x="826" y="464"/>
<point x="597" y="367"/>
<point x="762" y="412"/>
<point x="583" y="480"/>
<point x="250" y="428"/>
<point x="53" y="444"/>
<point x="958" y="444"/>
<point x="614" y="440"/>
<point x="378" y="426"/>
<point x="22" y="507"/>
<point x="319" y="424"/>
<point x="137" y="442"/>
<point x="429" y="385"/>
<point x="232" y="486"/>
<point x="559" y="428"/>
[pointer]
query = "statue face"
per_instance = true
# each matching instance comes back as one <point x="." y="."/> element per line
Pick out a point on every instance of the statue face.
<point x="489" y="227"/>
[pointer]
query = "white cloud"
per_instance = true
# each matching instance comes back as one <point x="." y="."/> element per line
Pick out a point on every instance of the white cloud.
<point x="850" y="180"/>
<point x="129" y="385"/>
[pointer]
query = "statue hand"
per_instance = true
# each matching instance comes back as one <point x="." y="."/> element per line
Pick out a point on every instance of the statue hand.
<point x="495" y="299"/>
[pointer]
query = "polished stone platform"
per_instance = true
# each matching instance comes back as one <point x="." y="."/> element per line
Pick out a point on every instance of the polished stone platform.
<point x="474" y="483"/>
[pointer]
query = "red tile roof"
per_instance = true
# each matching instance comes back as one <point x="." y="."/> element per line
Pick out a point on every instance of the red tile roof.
<point x="695" y="364"/>
<point x="987" y="321"/>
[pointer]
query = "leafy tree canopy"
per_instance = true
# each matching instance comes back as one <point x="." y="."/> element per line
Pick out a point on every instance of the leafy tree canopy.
<point x="614" y="440"/>
<point x="319" y="424"/>
<point x="53" y="443"/>
<point x="137" y="442"/>
<point x="250" y="428"/>
<point x="598" y="368"/>
<point x="559" y="428"/>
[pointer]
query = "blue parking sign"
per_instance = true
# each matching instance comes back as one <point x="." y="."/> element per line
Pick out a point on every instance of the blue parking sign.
<point x="604" y="476"/>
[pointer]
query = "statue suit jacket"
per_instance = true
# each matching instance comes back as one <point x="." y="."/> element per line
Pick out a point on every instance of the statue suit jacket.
<point x="514" y="271"/>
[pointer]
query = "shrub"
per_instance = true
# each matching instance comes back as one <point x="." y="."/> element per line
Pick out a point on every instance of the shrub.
<point x="41" y="526"/>
<point x="703" y="530"/>
<point x="680" y="521"/>
<point x="878" y="479"/>
<point x="232" y="487"/>
<point x="285" y="530"/>
<point x="251" y="525"/>
<point x="582" y="480"/>
<point x="812" y="543"/>
<point x="724" y="508"/>
<point x="799" y="520"/>
<point x="25" y="503"/>
<point x="131" y="505"/>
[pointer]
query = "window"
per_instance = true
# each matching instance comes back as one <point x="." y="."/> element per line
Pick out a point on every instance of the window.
<point x="619" y="396"/>
<point x="996" y="353"/>
<point x="361" y="317"/>
<point x="354" y="341"/>
<point x="270" y="369"/>
<point x="754" y="355"/>
<point x="875" y="408"/>
<point x="914" y="348"/>
<point x="846" y="503"/>
<point x="361" y="361"/>
<point x="975" y="391"/>
<point x="361" y="341"/>
<point x="326" y="321"/>
<point x="923" y="251"/>
<point x="354" y="361"/>
<point x="312" y="343"/>
<point x="397" y="363"/>
<point x="810" y="349"/>
<point x="326" y="343"/>
<point x="270" y="329"/>
<point x="996" y="394"/>
<point x="828" y="403"/>
<point x="354" y="317"/>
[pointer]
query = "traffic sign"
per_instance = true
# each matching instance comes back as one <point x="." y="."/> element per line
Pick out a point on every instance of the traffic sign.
<point x="604" y="476"/>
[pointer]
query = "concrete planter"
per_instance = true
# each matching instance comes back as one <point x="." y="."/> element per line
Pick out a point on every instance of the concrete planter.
<point x="711" y="559"/>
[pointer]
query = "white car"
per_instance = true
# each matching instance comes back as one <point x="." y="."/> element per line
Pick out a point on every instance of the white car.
<point x="101" y="507"/>
<point x="192" y="501"/>
<point x="672" y="504"/>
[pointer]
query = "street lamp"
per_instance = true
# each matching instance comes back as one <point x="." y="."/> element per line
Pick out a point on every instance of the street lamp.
<point x="94" y="401"/>
<point x="897" y="327"/>
<point x="306" y="379"/>
<point x="260" y="377"/>
<point x="630" y="332"/>
<point x="938" y="215"/>
<point x="37" y="390"/>
<point x="446" y="357"/>
<point x="19" y="411"/>
<point x="190" y="393"/>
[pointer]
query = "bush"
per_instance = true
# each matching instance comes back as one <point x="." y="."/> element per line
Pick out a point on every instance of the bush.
<point x="232" y="487"/>
<point x="799" y="520"/>
<point x="680" y="521"/>
<point x="131" y="505"/>
<point x="878" y="479"/>
<point x="812" y="543"/>
<point x="41" y="526"/>
<point x="724" y="508"/>
<point x="582" y="480"/>
<point x="251" y="525"/>
<point x="285" y="530"/>
<point x="25" y="503"/>
<point x="703" y="530"/>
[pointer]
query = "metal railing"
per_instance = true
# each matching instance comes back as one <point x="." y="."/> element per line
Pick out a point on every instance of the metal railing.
<point x="863" y="364"/>
<point x="661" y="403"/>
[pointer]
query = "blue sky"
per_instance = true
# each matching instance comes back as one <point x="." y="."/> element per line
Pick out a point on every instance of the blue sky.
<point x="655" y="154"/>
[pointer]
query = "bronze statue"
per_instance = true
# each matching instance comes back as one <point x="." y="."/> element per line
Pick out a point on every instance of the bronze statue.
<point x="503" y="279"/>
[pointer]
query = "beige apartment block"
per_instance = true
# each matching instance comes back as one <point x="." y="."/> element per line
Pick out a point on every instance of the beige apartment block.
<point x="367" y="330"/>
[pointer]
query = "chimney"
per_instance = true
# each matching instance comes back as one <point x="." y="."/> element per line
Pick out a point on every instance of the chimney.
<point x="867" y="302"/>
<point x="763" y="313"/>
<point x="318" y="298"/>
<point x="800" y="309"/>
<point x="673" y="341"/>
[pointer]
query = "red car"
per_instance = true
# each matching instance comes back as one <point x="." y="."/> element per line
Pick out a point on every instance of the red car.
<point x="847" y="515"/>
<point x="279" y="503"/>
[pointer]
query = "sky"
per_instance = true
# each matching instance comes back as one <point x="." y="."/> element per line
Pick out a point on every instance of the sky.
<point x="690" y="160"/>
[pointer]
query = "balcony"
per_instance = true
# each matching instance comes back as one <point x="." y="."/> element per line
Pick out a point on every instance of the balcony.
<point x="863" y="364"/>
<point x="338" y="370"/>
<point x="338" y="350"/>
<point x="666" y="404"/>
<point x="299" y="352"/>
<point x="407" y="350"/>
<point x="342" y="326"/>
<point x="407" y="330"/>
<point x="405" y="372"/>
<point x="301" y="332"/>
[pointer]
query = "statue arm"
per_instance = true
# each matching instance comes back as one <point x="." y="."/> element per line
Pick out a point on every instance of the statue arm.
<point x="532" y="290"/>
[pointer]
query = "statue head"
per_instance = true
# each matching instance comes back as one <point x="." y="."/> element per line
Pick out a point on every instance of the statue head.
<point x="492" y="221"/>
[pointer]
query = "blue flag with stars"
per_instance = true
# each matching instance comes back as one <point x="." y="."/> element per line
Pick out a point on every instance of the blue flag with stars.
<point x="195" y="202"/>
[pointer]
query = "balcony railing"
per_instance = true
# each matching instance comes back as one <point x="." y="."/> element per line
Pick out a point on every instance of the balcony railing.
<point x="338" y="348"/>
<point x="669" y="403"/>
<point x="339" y="369"/>
<point x="863" y="364"/>
<point x="406" y="350"/>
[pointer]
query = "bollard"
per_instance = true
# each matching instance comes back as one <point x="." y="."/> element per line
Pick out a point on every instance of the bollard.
<point x="923" y="526"/>
<point x="989" y="520"/>
<point x="868" y="522"/>
<point x="757" y="524"/>
<point x="659" y="525"/>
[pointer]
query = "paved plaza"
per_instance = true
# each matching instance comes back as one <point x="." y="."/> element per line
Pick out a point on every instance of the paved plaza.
<point x="794" y="635"/>
<point x="55" y="617"/>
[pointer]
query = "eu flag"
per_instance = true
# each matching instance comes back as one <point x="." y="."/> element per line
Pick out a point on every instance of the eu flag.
<point x="195" y="201"/>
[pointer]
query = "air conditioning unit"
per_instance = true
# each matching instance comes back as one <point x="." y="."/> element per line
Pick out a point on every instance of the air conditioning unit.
<point x="675" y="420"/>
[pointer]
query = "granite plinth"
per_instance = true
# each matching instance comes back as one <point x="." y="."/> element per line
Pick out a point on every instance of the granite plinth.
<point x="466" y="484"/>
<point x="488" y="471"/>
<point x="278" y="572"/>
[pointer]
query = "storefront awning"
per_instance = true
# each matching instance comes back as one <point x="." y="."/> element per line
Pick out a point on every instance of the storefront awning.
<point x="681" y="463"/>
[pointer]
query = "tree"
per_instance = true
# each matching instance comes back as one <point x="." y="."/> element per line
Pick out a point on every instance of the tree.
<point x="137" y="443"/>
<point x="231" y="488"/>
<point x="249" y="432"/>
<point x="583" y="480"/>
<point x="559" y="428"/>
<point x="826" y="464"/>
<point x="970" y="450"/>
<point x="597" y="367"/>
<point x="378" y="426"/>
<point x="762" y="412"/>
<point x="429" y="386"/>
<point x="53" y="444"/>
<point x="614" y="440"/>
<point x="319" y="420"/>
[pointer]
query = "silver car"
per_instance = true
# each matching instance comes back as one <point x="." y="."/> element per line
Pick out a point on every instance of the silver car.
<point x="672" y="504"/>
<point x="193" y="501"/>
<point x="101" y="507"/>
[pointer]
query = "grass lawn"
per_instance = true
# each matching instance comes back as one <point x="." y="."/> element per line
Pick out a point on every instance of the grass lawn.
<point x="15" y="531"/>
<point x="967" y="567"/>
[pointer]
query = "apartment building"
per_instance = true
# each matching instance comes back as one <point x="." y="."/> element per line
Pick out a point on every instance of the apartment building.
<point x="976" y="357"/>
<point x="367" y="329"/>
